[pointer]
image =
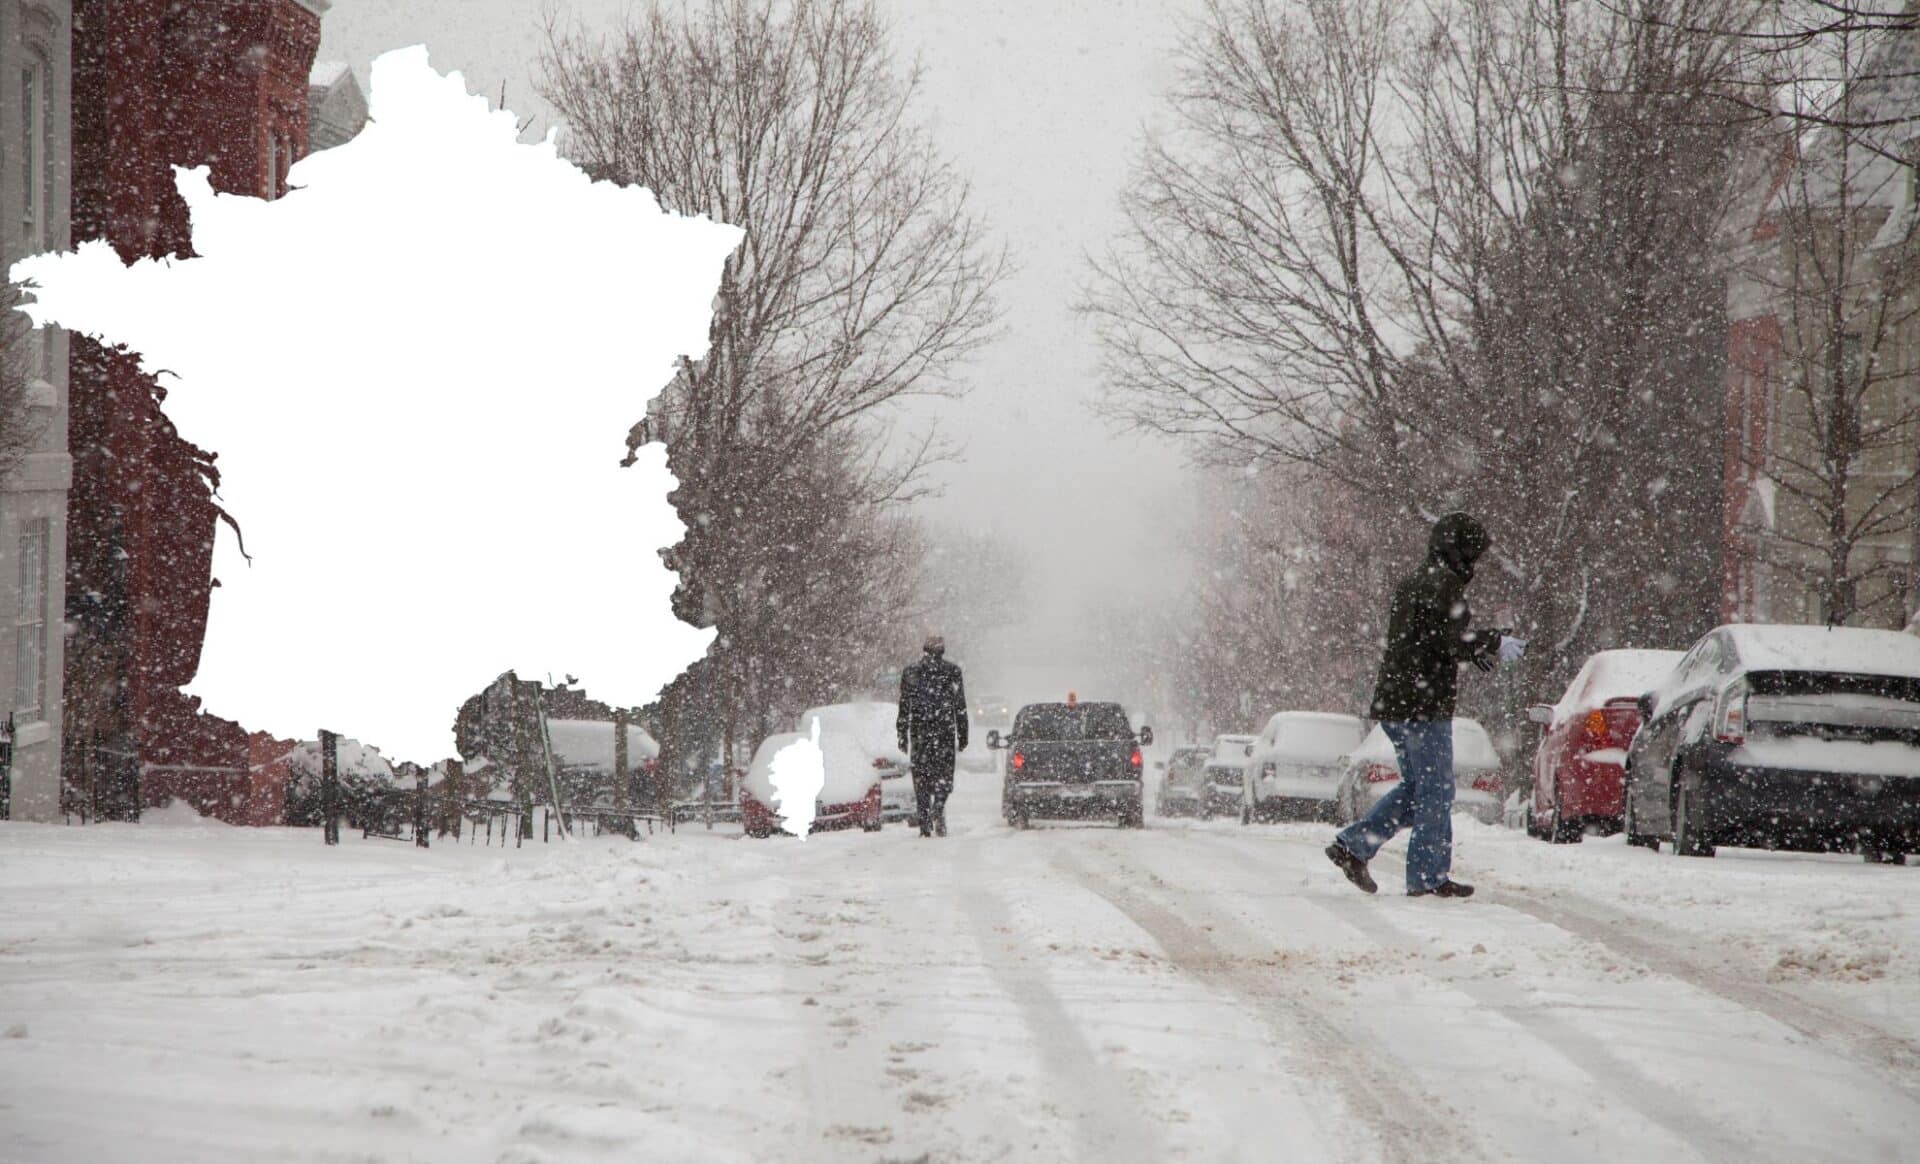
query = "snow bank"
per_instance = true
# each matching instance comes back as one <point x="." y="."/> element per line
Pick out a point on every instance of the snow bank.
<point x="490" y="318"/>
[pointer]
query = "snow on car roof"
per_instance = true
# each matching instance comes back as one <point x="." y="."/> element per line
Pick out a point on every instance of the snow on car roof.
<point x="1775" y="647"/>
<point x="1320" y="736"/>
<point x="1617" y="674"/>
<point x="872" y="724"/>
<point x="589" y="743"/>
<point x="1472" y="748"/>
<point x="850" y="771"/>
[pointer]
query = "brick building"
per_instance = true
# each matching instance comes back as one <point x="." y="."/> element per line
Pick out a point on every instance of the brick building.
<point x="158" y="83"/>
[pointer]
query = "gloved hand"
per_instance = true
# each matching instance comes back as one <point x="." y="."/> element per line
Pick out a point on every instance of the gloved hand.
<point x="1484" y="662"/>
<point x="1512" y="648"/>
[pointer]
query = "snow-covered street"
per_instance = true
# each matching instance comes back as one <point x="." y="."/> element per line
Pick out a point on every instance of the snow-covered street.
<point x="192" y="992"/>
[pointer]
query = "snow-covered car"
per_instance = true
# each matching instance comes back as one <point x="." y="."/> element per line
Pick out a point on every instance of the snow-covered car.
<point x="1183" y="783"/>
<point x="1226" y="775"/>
<point x="850" y="795"/>
<point x="1295" y="768"/>
<point x="874" y="728"/>
<point x="1579" y="769"/>
<point x="1373" y="769"/>
<point x="1784" y="737"/>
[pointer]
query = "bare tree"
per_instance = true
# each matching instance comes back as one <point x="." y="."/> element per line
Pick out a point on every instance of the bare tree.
<point x="863" y="279"/>
<point x="1429" y="256"/>
<point x="1833" y="438"/>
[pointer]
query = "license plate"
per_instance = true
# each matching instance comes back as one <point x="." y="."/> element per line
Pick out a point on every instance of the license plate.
<point x="1076" y="793"/>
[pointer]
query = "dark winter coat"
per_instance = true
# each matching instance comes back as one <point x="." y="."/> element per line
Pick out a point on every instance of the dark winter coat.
<point x="933" y="711"/>
<point x="1429" y="628"/>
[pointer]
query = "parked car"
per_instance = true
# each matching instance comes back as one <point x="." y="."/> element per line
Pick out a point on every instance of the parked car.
<point x="1789" y="737"/>
<point x="1579" y="769"/>
<point x="1294" y="772"/>
<point x="1183" y="785"/>
<point x="1226" y="775"/>
<point x="852" y="792"/>
<point x="1372" y="770"/>
<point x="873" y="725"/>
<point x="1073" y="760"/>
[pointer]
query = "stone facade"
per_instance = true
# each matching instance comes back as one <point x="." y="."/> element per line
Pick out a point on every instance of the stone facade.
<point x="1824" y="291"/>
<point x="35" y="92"/>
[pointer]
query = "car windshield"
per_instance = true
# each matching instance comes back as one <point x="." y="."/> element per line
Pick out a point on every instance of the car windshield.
<point x="1085" y="721"/>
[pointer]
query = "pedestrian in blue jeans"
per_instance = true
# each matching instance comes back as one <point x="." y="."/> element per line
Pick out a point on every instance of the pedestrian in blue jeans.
<point x="1429" y="634"/>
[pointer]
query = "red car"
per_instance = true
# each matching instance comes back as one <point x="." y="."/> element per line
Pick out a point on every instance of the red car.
<point x="1579" y="771"/>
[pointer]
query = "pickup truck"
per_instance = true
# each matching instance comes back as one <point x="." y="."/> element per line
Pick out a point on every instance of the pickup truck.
<point x="1072" y="761"/>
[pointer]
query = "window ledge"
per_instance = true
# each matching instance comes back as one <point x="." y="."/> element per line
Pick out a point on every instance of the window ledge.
<point x="25" y="735"/>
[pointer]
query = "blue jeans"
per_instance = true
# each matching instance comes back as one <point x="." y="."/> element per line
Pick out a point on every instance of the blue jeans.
<point x="1423" y="799"/>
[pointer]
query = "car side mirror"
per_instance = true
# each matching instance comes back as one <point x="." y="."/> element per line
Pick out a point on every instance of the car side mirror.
<point x="1146" y="737"/>
<point x="1646" y="707"/>
<point x="1160" y="765"/>
<point x="1541" y="714"/>
<point x="993" y="739"/>
<point x="1249" y="749"/>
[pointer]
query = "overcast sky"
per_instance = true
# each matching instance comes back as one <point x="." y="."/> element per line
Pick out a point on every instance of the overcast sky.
<point x="1040" y="103"/>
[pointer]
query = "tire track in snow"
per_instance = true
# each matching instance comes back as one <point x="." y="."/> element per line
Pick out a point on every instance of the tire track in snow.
<point x="1895" y="1060"/>
<point x="1106" y="1126"/>
<point x="1654" y="1102"/>
<point x="1401" y="1120"/>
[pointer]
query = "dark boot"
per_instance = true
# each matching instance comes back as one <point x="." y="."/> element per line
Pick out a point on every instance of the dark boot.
<point x="1352" y="866"/>
<point x="940" y="823"/>
<point x="1444" y="889"/>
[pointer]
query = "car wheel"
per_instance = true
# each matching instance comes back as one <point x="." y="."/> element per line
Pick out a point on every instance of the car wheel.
<point x="1632" y="828"/>
<point x="872" y="827"/>
<point x="1131" y="816"/>
<point x="1560" y="831"/>
<point x="1246" y="814"/>
<point x="1874" y="855"/>
<point x="1687" y="841"/>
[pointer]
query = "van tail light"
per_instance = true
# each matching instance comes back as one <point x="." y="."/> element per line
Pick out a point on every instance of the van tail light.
<point x="882" y="762"/>
<point x="1730" y="715"/>
<point x="1380" y="774"/>
<point x="1135" y="759"/>
<point x="1597" y="728"/>
<point x="1018" y="761"/>
<point x="1487" y="782"/>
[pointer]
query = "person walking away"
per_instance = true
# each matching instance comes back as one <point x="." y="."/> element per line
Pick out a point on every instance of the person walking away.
<point x="1428" y="636"/>
<point x="932" y="727"/>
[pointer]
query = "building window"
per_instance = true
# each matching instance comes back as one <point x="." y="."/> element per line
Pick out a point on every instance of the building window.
<point x="33" y="156"/>
<point x="30" y="625"/>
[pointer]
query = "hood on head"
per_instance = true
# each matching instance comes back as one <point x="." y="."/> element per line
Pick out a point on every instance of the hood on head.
<point x="1458" y="541"/>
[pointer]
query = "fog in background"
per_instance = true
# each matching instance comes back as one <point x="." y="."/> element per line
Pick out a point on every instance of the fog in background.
<point x="1039" y="103"/>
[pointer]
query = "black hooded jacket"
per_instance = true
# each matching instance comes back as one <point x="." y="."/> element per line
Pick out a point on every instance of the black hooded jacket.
<point x="1428" y="627"/>
<point x="933" y="708"/>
